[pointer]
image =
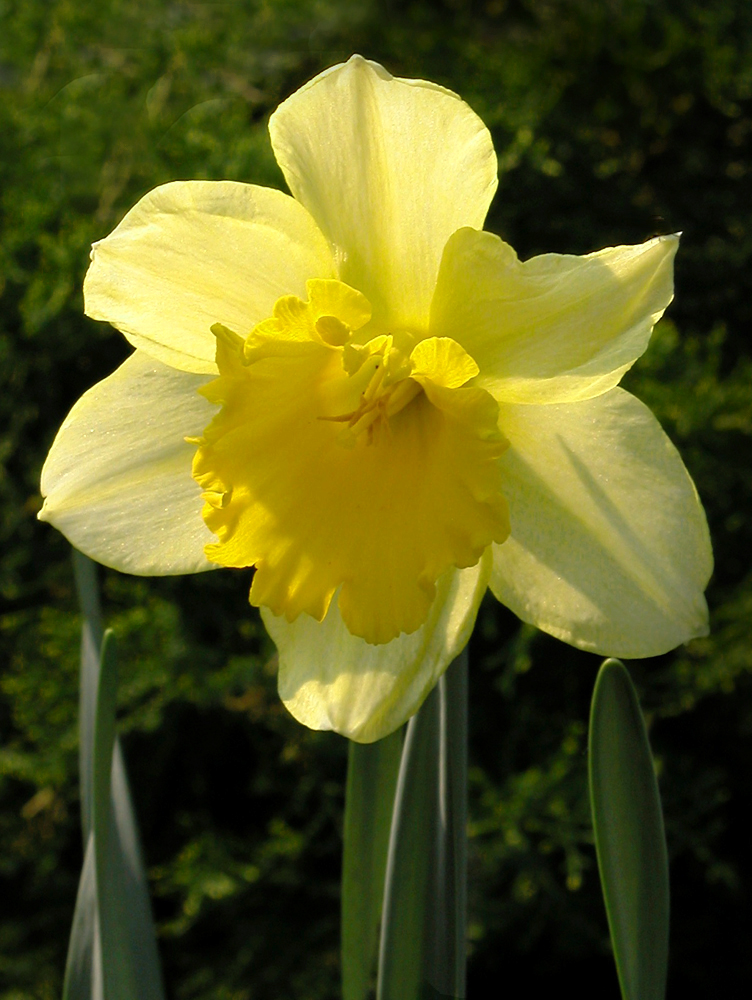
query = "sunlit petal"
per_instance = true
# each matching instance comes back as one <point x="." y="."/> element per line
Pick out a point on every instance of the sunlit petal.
<point x="609" y="547"/>
<point x="330" y="679"/>
<point x="555" y="328"/>
<point x="194" y="253"/>
<point x="117" y="480"/>
<point x="389" y="169"/>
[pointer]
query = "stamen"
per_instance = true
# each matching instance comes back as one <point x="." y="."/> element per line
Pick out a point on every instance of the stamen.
<point x="382" y="399"/>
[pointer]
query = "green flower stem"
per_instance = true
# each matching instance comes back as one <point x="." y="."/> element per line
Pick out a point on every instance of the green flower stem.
<point x="629" y="835"/>
<point x="422" y="952"/>
<point x="372" y="770"/>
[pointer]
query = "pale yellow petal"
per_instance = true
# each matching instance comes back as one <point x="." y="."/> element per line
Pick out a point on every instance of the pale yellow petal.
<point x="609" y="547"/>
<point x="389" y="169"/>
<point x="555" y="328"/>
<point x="117" y="480"/>
<point x="330" y="679"/>
<point x="194" y="253"/>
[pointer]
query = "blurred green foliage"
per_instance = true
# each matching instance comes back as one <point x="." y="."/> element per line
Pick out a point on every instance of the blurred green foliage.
<point x="613" y="122"/>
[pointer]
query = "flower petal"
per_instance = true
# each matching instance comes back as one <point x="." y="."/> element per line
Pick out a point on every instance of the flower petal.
<point x="118" y="476"/>
<point x="609" y="548"/>
<point x="555" y="328"/>
<point x="389" y="169"/>
<point x="194" y="253"/>
<point x="330" y="679"/>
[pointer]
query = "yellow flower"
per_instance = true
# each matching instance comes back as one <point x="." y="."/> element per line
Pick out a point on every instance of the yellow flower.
<point x="373" y="402"/>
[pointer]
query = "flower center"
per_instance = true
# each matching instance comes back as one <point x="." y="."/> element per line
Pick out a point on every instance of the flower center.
<point x="389" y="390"/>
<point x="340" y="464"/>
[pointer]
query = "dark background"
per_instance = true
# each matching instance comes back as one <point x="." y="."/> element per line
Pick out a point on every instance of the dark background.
<point x="613" y="121"/>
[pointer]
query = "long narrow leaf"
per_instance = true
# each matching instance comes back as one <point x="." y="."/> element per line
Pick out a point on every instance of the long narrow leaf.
<point x="446" y="959"/>
<point x="118" y="972"/>
<point x="406" y="903"/>
<point x="85" y="572"/>
<point x="369" y="801"/>
<point x="104" y="745"/>
<point x="87" y="970"/>
<point x="422" y="953"/>
<point x="629" y="835"/>
<point x="83" y="968"/>
<point x="112" y="953"/>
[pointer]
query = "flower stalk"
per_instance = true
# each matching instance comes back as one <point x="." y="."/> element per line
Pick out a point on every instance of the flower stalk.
<point x="423" y="946"/>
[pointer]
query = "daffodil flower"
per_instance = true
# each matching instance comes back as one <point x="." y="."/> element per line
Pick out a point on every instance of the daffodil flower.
<point x="375" y="403"/>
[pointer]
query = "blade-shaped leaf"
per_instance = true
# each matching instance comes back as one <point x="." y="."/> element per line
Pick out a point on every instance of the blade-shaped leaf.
<point x="629" y="835"/>
<point x="85" y="572"/>
<point x="447" y="958"/>
<point x="112" y="953"/>
<point x="118" y="972"/>
<point x="422" y="951"/>
<point x="369" y="801"/>
<point x="83" y="967"/>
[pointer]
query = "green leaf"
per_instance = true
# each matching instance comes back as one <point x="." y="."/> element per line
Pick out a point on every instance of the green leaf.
<point x="422" y="951"/>
<point x="629" y="835"/>
<point x="85" y="572"/>
<point x="369" y="801"/>
<point x="112" y="954"/>
<point x="83" y="968"/>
